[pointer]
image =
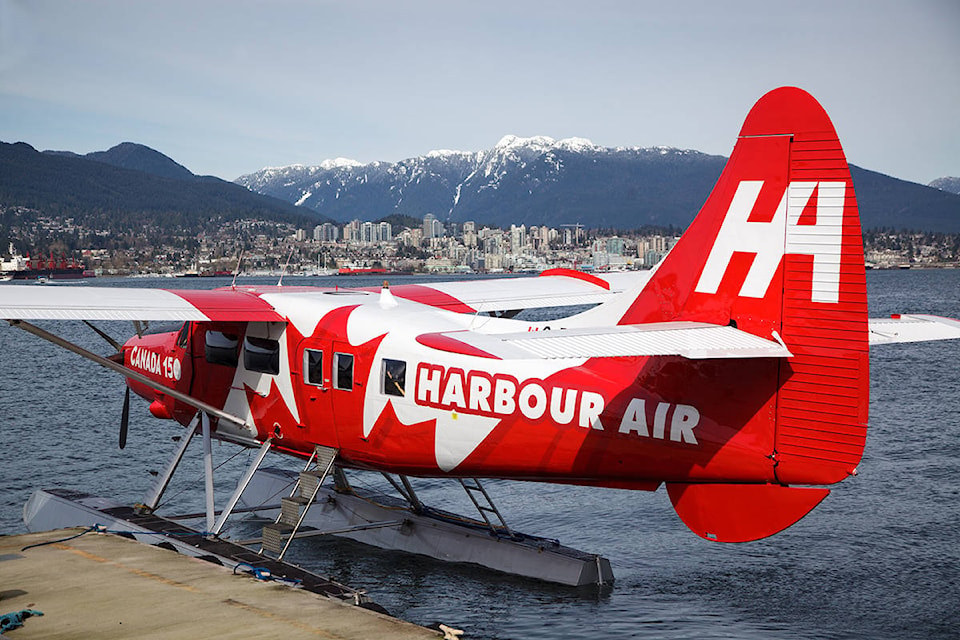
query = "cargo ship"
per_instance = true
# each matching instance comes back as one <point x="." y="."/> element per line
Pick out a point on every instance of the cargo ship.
<point x="370" y="271"/>
<point x="19" y="268"/>
<point x="361" y="271"/>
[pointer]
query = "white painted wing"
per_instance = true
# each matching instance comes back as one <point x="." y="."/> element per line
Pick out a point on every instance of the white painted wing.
<point x="107" y="303"/>
<point x="913" y="328"/>
<point x="692" y="340"/>
<point x="508" y="294"/>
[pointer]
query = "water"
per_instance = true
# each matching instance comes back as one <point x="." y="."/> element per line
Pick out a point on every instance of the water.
<point x="878" y="559"/>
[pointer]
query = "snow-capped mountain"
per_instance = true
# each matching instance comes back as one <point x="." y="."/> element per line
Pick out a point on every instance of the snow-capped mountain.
<point x="950" y="184"/>
<point x="540" y="180"/>
<point x="535" y="180"/>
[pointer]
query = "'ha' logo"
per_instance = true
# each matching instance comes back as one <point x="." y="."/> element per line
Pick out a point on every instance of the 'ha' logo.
<point x="782" y="235"/>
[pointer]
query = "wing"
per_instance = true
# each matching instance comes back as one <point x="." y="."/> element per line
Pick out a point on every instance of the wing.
<point x="552" y="288"/>
<point x="912" y="328"/>
<point x="693" y="340"/>
<point x="103" y="303"/>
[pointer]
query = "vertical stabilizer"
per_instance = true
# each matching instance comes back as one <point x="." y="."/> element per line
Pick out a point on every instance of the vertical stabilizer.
<point x="776" y="251"/>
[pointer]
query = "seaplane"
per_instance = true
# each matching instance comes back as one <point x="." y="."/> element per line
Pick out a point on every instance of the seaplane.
<point x="735" y="373"/>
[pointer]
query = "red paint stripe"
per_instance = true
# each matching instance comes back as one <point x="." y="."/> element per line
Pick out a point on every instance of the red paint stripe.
<point x="579" y="275"/>
<point x="443" y="342"/>
<point x="428" y="296"/>
<point x="225" y="305"/>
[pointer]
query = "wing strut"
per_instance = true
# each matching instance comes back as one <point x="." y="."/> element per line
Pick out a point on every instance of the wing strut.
<point x="152" y="499"/>
<point x="133" y="375"/>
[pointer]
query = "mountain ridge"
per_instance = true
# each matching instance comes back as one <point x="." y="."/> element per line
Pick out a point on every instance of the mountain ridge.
<point x="531" y="181"/>
<point x="540" y="180"/>
<point x="130" y="155"/>
<point x="535" y="180"/>
<point x="126" y="186"/>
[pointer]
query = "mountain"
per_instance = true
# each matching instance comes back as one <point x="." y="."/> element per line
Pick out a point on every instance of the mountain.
<point x="544" y="181"/>
<point x="519" y="181"/>
<point x="128" y="186"/>
<point x="128" y="155"/>
<point x="947" y="183"/>
<point x="898" y="204"/>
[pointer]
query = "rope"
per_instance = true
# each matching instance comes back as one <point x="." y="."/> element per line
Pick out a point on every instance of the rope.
<point x="99" y="528"/>
<point x="40" y="544"/>
<point x="10" y="621"/>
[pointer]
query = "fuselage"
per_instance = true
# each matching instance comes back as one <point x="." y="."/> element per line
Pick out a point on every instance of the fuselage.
<point x="386" y="382"/>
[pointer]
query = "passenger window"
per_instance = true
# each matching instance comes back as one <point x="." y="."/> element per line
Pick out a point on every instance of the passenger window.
<point x="394" y="377"/>
<point x="343" y="371"/>
<point x="313" y="367"/>
<point x="261" y="355"/>
<point x="220" y="348"/>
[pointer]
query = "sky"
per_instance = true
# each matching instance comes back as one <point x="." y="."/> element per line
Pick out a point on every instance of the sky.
<point x="227" y="88"/>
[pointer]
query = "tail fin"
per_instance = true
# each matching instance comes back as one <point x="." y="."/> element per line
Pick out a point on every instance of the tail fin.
<point x="777" y="251"/>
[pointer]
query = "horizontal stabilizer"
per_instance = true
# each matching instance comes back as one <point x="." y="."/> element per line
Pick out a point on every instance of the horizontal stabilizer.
<point x="694" y="340"/>
<point x="741" y="512"/>
<point x="912" y="328"/>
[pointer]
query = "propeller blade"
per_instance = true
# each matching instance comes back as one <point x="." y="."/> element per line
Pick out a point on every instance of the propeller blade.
<point x="125" y="419"/>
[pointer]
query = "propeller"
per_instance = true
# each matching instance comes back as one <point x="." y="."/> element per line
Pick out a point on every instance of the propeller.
<point x="125" y="419"/>
<point x="118" y="358"/>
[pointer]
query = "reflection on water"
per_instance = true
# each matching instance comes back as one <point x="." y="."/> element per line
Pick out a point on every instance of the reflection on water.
<point x="878" y="559"/>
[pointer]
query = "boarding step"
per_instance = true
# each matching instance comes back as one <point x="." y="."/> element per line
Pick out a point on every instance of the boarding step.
<point x="484" y="504"/>
<point x="324" y="459"/>
<point x="309" y="482"/>
<point x="290" y="509"/>
<point x="272" y="537"/>
<point x="276" y="538"/>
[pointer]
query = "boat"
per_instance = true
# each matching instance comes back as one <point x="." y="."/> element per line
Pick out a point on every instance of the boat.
<point x="370" y="271"/>
<point x="361" y="271"/>
<point x="19" y="268"/>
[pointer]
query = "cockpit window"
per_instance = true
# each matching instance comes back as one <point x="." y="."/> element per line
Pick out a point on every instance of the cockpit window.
<point x="394" y="377"/>
<point x="184" y="336"/>
<point x="155" y="328"/>
<point x="261" y="355"/>
<point x="219" y="348"/>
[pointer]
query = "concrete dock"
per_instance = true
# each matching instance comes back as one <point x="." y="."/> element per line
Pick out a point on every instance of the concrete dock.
<point x="106" y="586"/>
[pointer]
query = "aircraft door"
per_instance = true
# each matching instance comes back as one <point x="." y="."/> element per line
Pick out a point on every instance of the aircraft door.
<point x="182" y="354"/>
<point x="316" y="380"/>
<point x="347" y="387"/>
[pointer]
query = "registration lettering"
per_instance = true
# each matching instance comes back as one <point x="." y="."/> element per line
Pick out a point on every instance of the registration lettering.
<point x="155" y="363"/>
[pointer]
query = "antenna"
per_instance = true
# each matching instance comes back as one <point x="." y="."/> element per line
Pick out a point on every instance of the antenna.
<point x="233" y="285"/>
<point x="282" y="273"/>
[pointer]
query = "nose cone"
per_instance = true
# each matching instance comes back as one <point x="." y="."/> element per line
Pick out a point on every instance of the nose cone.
<point x="153" y="356"/>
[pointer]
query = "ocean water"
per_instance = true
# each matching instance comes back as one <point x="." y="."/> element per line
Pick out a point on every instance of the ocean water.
<point x="879" y="558"/>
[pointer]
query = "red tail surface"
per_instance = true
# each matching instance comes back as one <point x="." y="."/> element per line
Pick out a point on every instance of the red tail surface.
<point x="776" y="251"/>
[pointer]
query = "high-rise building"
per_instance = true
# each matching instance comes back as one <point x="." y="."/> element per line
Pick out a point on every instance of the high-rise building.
<point x="469" y="234"/>
<point x="351" y="231"/>
<point x="326" y="232"/>
<point x="432" y="228"/>
<point x="614" y="246"/>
